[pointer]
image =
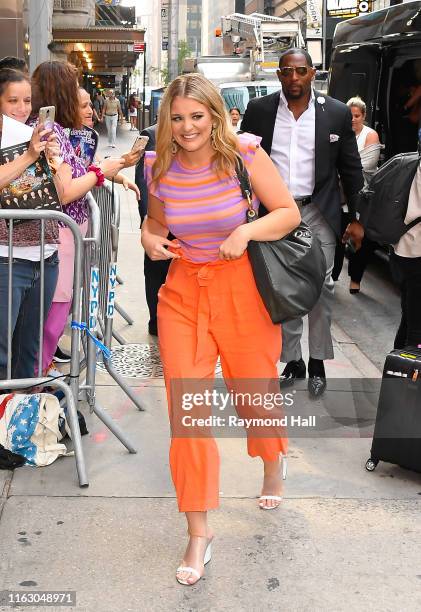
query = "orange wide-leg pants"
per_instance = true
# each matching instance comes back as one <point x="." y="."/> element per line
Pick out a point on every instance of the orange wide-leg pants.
<point x="206" y="310"/>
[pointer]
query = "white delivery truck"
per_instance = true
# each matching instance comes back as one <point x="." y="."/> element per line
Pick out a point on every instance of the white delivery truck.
<point x="252" y="46"/>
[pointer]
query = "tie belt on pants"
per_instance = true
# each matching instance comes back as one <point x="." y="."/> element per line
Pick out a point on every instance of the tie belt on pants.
<point x="205" y="274"/>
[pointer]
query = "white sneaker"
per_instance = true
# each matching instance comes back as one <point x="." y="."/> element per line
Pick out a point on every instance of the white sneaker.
<point x="53" y="373"/>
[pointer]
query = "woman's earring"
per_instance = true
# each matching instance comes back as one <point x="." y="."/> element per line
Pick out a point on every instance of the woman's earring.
<point x="213" y="138"/>
<point x="174" y="147"/>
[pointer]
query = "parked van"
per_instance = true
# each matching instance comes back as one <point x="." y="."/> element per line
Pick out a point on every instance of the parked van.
<point x="378" y="57"/>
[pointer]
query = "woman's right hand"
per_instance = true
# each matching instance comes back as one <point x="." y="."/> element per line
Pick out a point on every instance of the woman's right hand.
<point x="111" y="166"/>
<point x="157" y="247"/>
<point x="37" y="144"/>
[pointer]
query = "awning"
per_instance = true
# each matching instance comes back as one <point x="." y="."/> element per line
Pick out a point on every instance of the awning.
<point x="98" y="49"/>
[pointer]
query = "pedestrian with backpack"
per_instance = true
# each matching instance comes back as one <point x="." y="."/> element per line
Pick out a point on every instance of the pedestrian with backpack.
<point x="394" y="193"/>
<point x="390" y="210"/>
<point x="405" y="262"/>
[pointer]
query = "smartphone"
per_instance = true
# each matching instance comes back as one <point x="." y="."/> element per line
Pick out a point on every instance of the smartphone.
<point x="46" y="116"/>
<point x="140" y="143"/>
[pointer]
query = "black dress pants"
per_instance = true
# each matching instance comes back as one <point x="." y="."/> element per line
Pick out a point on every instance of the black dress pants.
<point x="340" y="247"/>
<point x="359" y="260"/>
<point x="155" y="275"/>
<point x="406" y="272"/>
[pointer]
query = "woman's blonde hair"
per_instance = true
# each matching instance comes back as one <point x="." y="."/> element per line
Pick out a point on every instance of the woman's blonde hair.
<point x="224" y="141"/>
<point x="359" y="103"/>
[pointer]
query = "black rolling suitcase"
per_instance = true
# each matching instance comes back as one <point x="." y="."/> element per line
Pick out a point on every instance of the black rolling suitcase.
<point x="397" y="432"/>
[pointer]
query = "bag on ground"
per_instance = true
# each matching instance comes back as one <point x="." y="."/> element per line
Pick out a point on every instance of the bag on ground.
<point x="397" y="433"/>
<point x="29" y="427"/>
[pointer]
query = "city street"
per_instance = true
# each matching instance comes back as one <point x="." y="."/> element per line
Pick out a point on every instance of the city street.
<point x="343" y="539"/>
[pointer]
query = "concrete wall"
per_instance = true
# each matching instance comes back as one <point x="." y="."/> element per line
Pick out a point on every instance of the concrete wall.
<point x="74" y="13"/>
<point x="12" y="28"/>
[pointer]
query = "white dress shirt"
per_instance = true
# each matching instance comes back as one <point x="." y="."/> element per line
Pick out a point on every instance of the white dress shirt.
<point x="293" y="147"/>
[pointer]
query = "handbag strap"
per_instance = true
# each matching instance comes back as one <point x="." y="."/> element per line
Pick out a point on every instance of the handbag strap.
<point x="245" y="186"/>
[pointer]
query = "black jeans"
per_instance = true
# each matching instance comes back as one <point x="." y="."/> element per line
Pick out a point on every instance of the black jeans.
<point x="406" y="272"/>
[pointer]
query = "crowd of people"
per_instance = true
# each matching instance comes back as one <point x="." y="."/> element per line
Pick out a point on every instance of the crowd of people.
<point x="113" y="109"/>
<point x="307" y="156"/>
<point x="21" y="99"/>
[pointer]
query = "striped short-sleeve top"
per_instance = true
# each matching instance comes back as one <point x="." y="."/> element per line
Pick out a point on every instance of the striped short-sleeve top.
<point x="201" y="209"/>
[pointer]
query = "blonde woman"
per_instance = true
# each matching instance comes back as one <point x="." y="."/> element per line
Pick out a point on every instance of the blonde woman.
<point x="369" y="148"/>
<point x="209" y="305"/>
<point x="368" y="142"/>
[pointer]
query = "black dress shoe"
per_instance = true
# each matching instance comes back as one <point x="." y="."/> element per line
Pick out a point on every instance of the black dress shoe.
<point x="292" y="371"/>
<point x="316" y="386"/>
<point x="317" y="377"/>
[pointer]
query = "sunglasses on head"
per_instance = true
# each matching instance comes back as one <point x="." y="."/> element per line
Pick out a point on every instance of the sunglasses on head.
<point x="286" y="71"/>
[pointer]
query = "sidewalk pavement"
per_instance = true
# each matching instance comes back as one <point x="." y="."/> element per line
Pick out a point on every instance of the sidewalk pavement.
<point x="343" y="538"/>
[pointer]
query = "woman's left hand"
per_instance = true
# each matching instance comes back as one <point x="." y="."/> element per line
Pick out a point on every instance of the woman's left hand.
<point x="128" y="184"/>
<point x="236" y="243"/>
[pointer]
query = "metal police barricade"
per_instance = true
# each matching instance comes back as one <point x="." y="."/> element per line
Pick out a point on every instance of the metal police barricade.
<point x="90" y="305"/>
<point x="69" y="389"/>
<point x="109" y="205"/>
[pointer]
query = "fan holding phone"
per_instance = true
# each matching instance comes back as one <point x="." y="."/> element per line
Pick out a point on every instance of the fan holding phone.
<point x="140" y="144"/>
<point x="58" y="106"/>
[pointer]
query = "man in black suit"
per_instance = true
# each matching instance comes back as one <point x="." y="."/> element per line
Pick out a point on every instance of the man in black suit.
<point x="310" y="139"/>
<point x="155" y="271"/>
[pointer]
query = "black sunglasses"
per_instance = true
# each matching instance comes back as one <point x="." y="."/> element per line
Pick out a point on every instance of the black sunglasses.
<point x="286" y="71"/>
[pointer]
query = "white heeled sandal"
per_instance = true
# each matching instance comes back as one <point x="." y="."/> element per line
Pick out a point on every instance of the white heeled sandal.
<point x="264" y="498"/>
<point x="184" y="568"/>
<point x="277" y="498"/>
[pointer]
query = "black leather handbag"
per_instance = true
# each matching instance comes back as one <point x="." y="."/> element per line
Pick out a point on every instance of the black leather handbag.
<point x="289" y="272"/>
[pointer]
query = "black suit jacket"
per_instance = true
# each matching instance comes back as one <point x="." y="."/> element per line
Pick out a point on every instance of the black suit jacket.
<point x="139" y="173"/>
<point x="334" y="158"/>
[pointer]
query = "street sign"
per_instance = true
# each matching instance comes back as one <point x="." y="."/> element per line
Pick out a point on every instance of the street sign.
<point x="138" y="47"/>
<point x="314" y="19"/>
<point x="164" y="24"/>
